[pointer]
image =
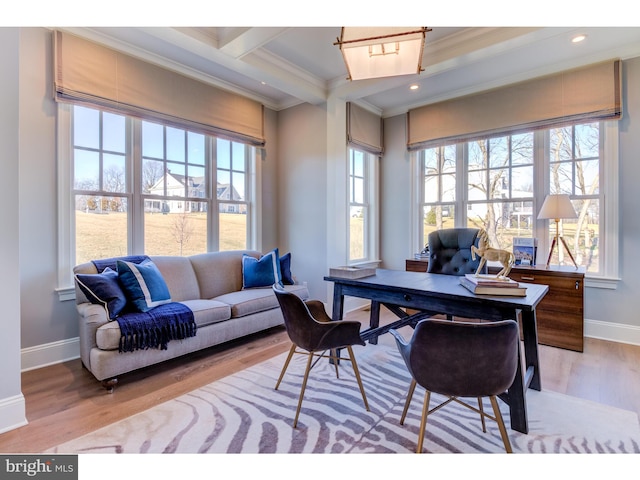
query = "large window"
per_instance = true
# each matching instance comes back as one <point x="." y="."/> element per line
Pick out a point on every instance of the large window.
<point x="363" y="229"/>
<point x="499" y="184"/>
<point x="146" y="187"/>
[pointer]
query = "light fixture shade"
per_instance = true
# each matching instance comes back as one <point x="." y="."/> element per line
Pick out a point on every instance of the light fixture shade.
<point x="374" y="52"/>
<point x="557" y="207"/>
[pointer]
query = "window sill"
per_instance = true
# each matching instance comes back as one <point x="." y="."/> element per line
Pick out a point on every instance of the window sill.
<point x="66" y="293"/>
<point x="608" y="283"/>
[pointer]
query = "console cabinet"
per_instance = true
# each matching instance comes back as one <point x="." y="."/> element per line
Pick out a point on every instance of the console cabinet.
<point x="560" y="314"/>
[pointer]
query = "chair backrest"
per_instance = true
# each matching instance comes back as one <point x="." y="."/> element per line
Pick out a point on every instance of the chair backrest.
<point x="298" y="321"/>
<point x="463" y="358"/>
<point x="450" y="251"/>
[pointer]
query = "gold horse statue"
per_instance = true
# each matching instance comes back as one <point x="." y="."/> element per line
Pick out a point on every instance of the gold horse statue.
<point x="483" y="250"/>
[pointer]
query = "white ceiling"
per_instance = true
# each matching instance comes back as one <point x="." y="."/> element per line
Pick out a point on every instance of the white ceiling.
<point x="284" y="66"/>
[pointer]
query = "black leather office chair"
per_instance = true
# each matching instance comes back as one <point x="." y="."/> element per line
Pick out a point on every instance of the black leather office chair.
<point x="460" y="359"/>
<point x="450" y="251"/>
<point x="312" y="331"/>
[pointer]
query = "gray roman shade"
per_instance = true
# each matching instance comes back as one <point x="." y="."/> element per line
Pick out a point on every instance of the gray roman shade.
<point x="92" y="74"/>
<point x="364" y="129"/>
<point x="584" y="94"/>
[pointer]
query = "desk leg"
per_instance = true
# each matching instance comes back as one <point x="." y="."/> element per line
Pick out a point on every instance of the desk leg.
<point x="338" y="303"/>
<point x="336" y="314"/>
<point x="517" y="399"/>
<point x="530" y="340"/>
<point x="374" y="320"/>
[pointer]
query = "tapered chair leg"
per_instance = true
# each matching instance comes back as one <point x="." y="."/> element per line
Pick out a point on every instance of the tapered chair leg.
<point x="357" y="373"/>
<point x="292" y="350"/>
<point x="302" y="389"/>
<point x="423" y="422"/>
<point x="412" y="387"/>
<point x="503" y="430"/>
<point x="480" y="407"/>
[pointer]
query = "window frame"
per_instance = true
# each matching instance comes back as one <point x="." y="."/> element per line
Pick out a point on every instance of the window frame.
<point x="370" y="204"/>
<point x="135" y="197"/>
<point x="608" y="276"/>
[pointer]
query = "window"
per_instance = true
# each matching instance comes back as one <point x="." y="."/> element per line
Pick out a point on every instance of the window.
<point x="146" y="187"/>
<point x="499" y="183"/>
<point x="363" y="225"/>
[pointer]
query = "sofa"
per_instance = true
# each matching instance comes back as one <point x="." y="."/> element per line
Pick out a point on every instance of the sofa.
<point x="224" y="290"/>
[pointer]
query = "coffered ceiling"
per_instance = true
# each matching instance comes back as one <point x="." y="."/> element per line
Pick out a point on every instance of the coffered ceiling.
<point x="284" y="66"/>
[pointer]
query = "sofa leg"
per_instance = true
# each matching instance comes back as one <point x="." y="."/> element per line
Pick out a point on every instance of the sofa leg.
<point x="110" y="384"/>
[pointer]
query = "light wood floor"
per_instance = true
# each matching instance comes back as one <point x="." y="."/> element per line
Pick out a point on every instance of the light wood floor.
<point x="65" y="401"/>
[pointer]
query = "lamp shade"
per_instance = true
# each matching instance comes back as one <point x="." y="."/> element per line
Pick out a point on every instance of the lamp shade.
<point x="557" y="207"/>
<point x="373" y="52"/>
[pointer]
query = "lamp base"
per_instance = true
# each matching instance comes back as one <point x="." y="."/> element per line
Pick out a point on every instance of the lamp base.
<point x="555" y="243"/>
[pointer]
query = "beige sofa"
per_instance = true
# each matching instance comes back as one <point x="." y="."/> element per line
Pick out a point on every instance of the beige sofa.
<point x="210" y="284"/>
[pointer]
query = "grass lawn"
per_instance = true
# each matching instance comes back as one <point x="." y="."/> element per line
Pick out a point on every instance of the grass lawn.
<point x="105" y="235"/>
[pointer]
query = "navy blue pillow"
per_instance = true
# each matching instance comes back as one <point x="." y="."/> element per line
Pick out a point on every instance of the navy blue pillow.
<point x="143" y="284"/>
<point x="103" y="289"/>
<point x="261" y="273"/>
<point x="285" y="269"/>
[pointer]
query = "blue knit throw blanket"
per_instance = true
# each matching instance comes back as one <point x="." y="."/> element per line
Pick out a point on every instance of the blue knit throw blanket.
<point x="154" y="329"/>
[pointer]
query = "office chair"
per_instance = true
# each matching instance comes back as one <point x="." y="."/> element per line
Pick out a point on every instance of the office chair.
<point x="313" y="333"/>
<point x="460" y="359"/>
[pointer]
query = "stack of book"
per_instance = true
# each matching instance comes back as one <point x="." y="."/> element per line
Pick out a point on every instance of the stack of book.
<point x="488" y="285"/>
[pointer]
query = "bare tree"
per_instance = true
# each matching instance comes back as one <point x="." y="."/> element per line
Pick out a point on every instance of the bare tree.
<point x="182" y="229"/>
<point x="152" y="171"/>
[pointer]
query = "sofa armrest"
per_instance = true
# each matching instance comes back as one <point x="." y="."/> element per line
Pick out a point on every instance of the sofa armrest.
<point x="90" y="318"/>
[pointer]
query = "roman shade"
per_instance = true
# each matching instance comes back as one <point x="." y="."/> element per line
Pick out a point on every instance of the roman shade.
<point x="583" y="94"/>
<point x="364" y="129"/>
<point x="92" y="74"/>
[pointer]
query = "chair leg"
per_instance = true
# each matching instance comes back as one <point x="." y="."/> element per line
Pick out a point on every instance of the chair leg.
<point x="484" y="426"/>
<point x="412" y="387"/>
<point x="302" y="389"/>
<point x="423" y="422"/>
<point x="286" y="364"/>
<point x="503" y="430"/>
<point x="357" y="372"/>
<point x="333" y="353"/>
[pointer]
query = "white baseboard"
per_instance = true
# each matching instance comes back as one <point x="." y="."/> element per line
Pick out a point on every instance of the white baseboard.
<point x="12" y="413"/>
<point x="613" y="332"/>
<point x="50" y="354"/>
<point x="62" y="351"/>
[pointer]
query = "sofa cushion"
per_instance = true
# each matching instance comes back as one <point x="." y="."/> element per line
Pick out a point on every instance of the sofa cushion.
<point x="254" y="300"/>
<point x="285" y="269"/>
<point x="143" y="285"/>
<point x="205" y="312"/>
<point x="262" y="272"/>
<point x="103" y="289"/>
<point x="179" y="276"/>
<point x="209" y="266"/>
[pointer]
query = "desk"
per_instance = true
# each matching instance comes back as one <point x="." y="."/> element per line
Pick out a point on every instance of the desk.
<point x="433" y="293"/>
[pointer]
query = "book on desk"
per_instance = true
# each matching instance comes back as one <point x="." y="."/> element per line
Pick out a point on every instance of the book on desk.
<point x="488" y="285"/>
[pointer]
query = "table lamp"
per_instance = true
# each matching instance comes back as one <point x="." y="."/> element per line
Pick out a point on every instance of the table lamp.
<point x="557" y="207"/>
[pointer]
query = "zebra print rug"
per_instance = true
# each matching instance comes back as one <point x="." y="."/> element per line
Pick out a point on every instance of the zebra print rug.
<point x="243" y="413"/>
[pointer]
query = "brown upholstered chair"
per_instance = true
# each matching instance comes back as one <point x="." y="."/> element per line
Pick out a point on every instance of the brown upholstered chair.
<point x="460" y="359"/>
<point x="313" y="333"/>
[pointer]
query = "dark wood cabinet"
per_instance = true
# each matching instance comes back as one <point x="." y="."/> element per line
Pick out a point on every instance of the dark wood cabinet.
<point x="560" y="314"/>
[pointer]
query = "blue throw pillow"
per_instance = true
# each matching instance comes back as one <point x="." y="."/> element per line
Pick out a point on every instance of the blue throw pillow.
<point x="261" y="273"/>
<point x="143" y="285"/>
<point x="103" y="289"/>
<point x="285" y="269"/>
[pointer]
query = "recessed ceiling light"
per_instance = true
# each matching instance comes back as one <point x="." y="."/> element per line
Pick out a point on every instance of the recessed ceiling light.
<point x="414" y="87"/>
<point x="578" y="38"/>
